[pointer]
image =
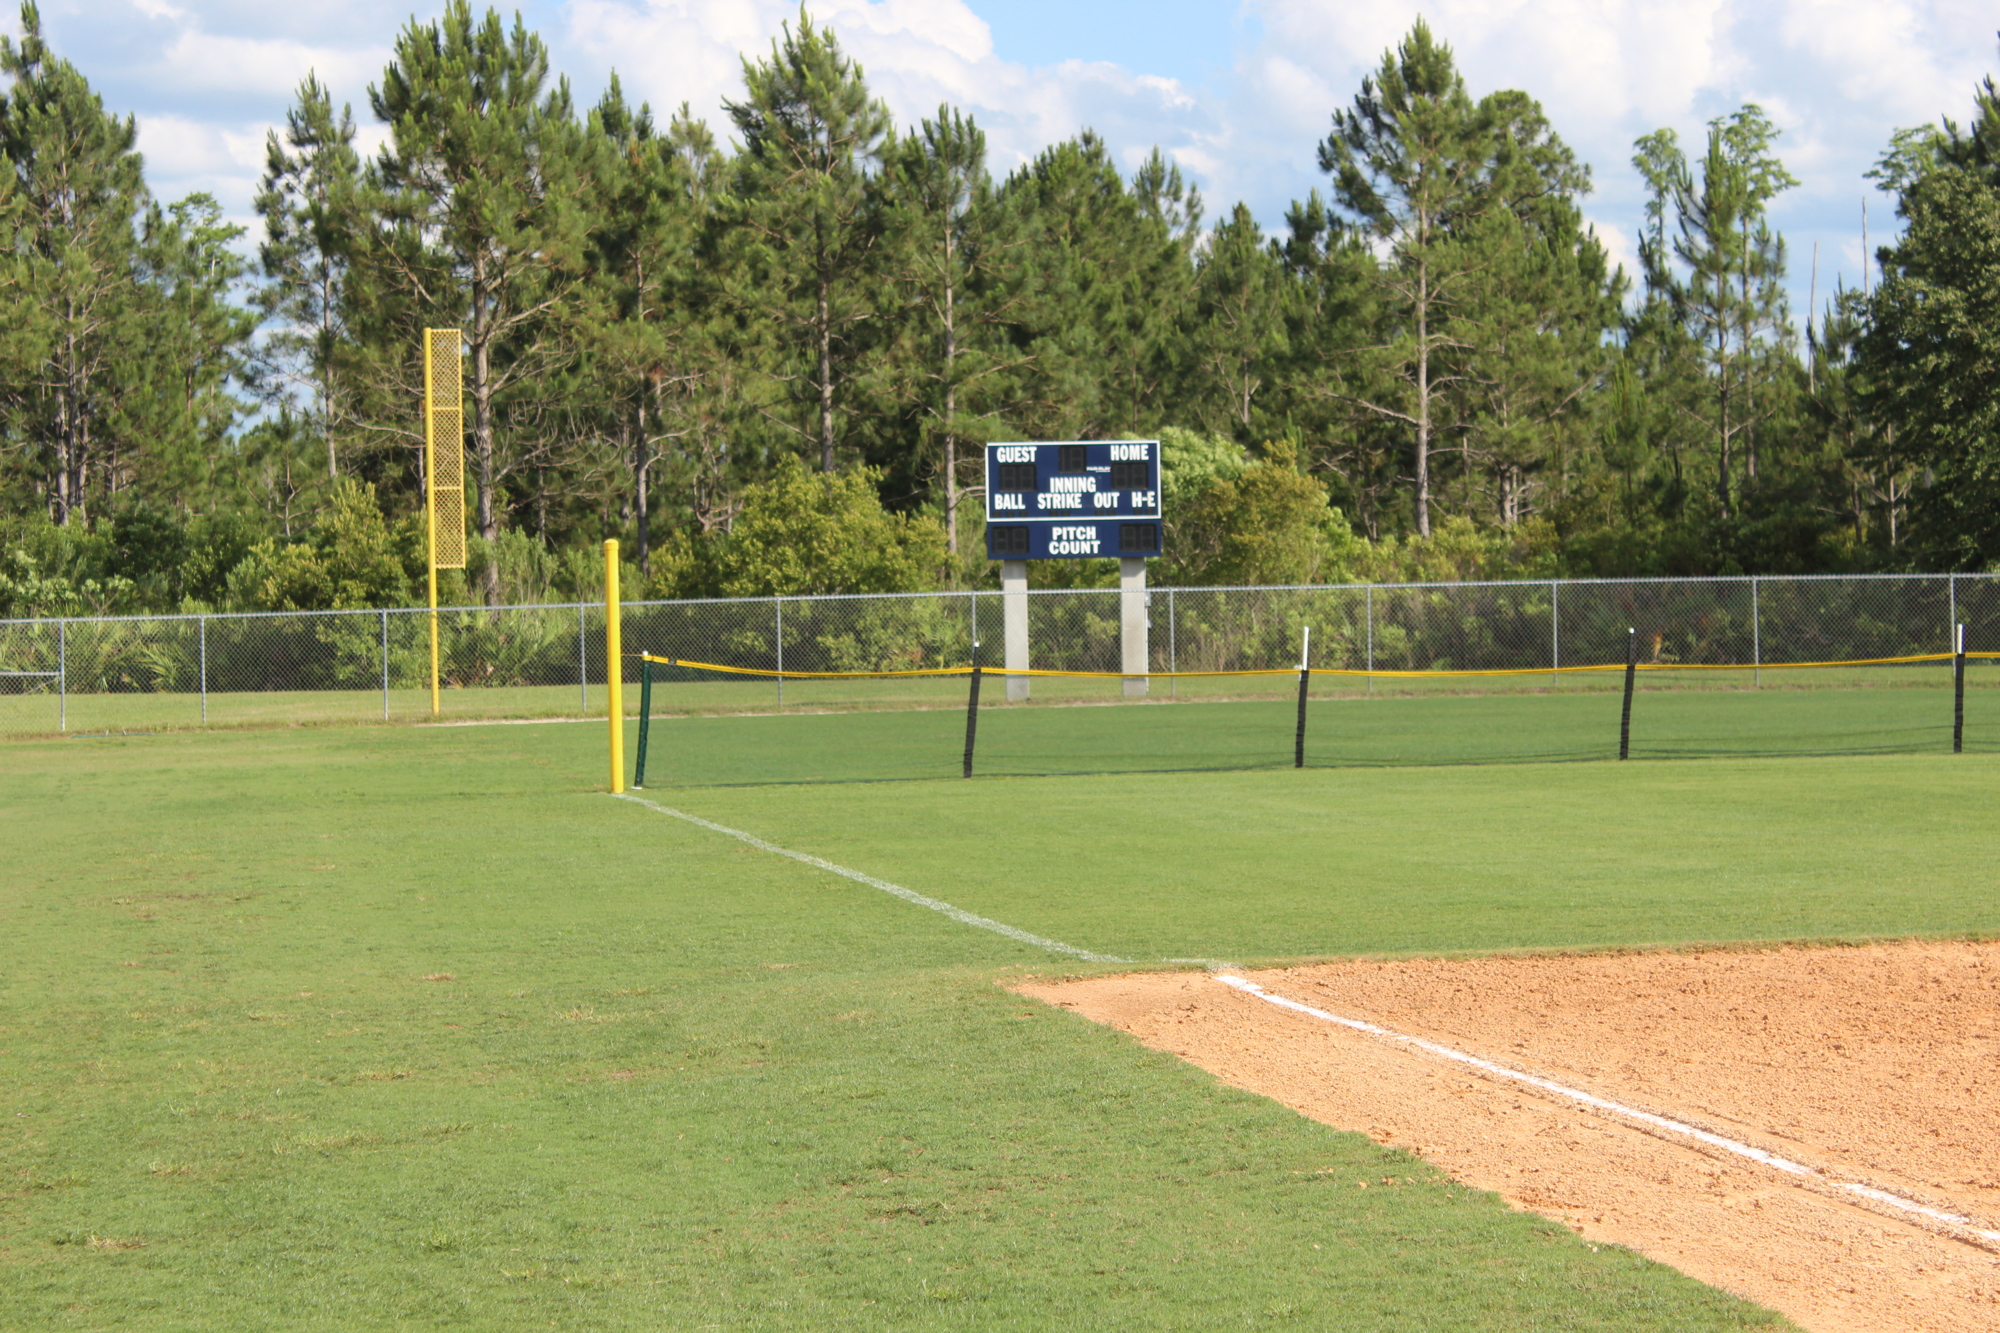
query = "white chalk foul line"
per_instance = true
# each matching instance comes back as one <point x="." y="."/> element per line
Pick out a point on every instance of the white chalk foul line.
<point x="958" y="914"/>
<point x="1663" y="1123"/>
<point x="1659" y="1122"/>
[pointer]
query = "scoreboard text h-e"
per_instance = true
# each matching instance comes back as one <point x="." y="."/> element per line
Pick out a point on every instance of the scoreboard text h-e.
<point x="1076" y="500"/>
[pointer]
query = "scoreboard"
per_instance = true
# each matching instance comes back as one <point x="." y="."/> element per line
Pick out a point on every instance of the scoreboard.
<point x="1077" y="500"/>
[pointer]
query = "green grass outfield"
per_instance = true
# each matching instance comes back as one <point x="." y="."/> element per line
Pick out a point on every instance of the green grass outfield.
<point x="1341" y="731"/>
<point x="392" y="1027"/>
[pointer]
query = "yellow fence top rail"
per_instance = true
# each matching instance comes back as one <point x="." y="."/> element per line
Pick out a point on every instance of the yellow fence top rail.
<point x="1436" y="674"/>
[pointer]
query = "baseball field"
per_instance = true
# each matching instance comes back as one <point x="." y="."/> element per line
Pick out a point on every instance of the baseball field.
<point x="408" y="1026"/>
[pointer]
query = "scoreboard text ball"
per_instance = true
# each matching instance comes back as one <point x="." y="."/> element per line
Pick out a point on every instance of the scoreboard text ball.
<point x="1073" y="501"/>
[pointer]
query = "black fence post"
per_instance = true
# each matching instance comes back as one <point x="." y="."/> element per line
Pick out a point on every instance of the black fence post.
<point x="1299" y="742"/>
<point x="1631" y="673"/>
<point x="971" y="718"/>
<point x="1958" y="690"/>
<point x="645" y="720"/>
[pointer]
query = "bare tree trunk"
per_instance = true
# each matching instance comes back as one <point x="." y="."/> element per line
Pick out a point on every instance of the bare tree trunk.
<point x="1749" y="415"/>
<point x="70" y="462"/>
<point x="1423" y="401"/>
<point x="63" y="497"/>
<point x="950" y="397"/>
<point x="642" y="461"/>
<point x="326" y="379"/>
<point x="1723" y="403"/>
<point x="482" y="420"/>
<point x="825" y="332"/>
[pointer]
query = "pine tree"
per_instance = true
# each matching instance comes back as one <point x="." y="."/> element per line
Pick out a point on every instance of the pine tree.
<point x="1535" y="346"/>
<point x="186" y="352"/>
<point x="310" y="201"/>
<point x="1712" y="260"/>
<point x="480" y="220"/>
<point x="1333" y="305"/>
<point x="804" y="223"/>
<point x="78" y="189"/>
<point x="1873" y="478"/>
<point x="1236" y="335"/>
<point x="958" y="261"/>
<point x="1432" y="175"/>
<point x="1930" y="358"/>
<point x="643" y="327"/>
<point x="1109" y="271"/>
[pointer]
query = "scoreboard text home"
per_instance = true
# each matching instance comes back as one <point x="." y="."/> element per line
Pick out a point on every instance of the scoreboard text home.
<point x="1073" y="501"/>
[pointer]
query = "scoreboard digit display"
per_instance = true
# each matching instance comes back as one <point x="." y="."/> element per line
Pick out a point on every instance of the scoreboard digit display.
<point x="1076" y="500"/>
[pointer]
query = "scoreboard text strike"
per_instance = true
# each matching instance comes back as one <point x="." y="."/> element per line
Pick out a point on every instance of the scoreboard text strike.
<point x="1073" y="501"/>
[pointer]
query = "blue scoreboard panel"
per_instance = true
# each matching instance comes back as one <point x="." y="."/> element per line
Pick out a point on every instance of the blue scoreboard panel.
<point x="1073" y="501"/>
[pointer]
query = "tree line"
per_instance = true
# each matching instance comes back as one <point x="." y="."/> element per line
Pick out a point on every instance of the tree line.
<point x="767" y="359"/>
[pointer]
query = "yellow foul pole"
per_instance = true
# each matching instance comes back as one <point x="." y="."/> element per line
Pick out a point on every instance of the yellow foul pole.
<point x="614" y="665"/>
<point x="430" y="513"/>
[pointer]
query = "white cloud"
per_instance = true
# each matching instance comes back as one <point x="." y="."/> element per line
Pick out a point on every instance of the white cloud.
<point x="272" y="66"/>
<point x="917" y="55"/>
<point x="177" y="148"/>
<point x="1599" y="67"/>
<point x="1894" y="56"/>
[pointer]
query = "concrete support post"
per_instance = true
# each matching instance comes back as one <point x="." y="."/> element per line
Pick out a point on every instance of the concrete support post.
<point x="1014" y="622"/>
<point x="1133" y="625"/>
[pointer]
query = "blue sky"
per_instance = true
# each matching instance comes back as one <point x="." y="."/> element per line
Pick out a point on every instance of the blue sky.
<point x="1188" y="40"/>
<point x="1239" y="92"/>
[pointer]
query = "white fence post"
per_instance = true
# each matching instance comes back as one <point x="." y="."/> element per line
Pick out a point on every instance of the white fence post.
<point x="1756" y="635"/>
<point x="385" y="665"/>
<point x="1555" y="634"/>
<point x="1134" y="626"/>
<point x="62" y="675"/>
<point x="202" y="625"/>
<point x="1371" y="637"/>
<point x="1014" y="626"/>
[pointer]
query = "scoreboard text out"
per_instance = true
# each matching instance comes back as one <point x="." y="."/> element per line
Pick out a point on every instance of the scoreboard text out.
<point x="1073" y="501"/>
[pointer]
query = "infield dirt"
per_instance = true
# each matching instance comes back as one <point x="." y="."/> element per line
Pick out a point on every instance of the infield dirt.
<point x="1878" y="1065"/>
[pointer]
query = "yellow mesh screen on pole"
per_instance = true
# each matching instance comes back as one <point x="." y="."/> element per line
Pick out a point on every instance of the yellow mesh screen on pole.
<point x="444" y="445"/>
<point x="444" y="468"/>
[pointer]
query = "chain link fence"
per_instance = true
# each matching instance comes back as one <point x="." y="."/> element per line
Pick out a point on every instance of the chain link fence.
<point x="146" y="673"/>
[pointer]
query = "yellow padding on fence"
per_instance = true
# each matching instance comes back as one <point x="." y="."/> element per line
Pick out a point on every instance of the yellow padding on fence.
<point x="1141" y="675"/>
<point x="1433" y="675"/>
<point x="802" y="675"/>
<point x="1293" y="671"/>
<point x="1788" y="666"/>
<point x="966" y="671"/>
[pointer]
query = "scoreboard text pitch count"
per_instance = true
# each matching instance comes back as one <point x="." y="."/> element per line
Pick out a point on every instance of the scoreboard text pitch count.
<point x="1073" y="501"/>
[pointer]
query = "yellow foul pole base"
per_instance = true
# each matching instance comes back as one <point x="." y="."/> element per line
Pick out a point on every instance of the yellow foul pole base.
<point x="434" y="641"/>
<point x="614" y="666"/>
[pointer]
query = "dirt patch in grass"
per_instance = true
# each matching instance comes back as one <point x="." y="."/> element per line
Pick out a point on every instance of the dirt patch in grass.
<point x="1877" y="1066"/>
